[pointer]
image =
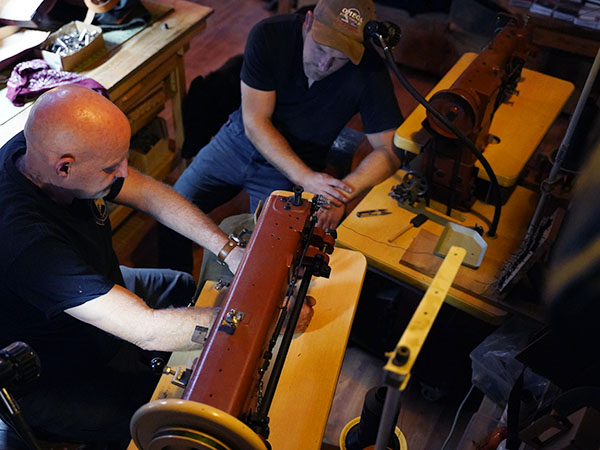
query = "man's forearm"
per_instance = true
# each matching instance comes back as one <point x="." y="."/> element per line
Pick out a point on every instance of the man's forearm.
<point x="257" y="110"/>
<point x="175" y="328"/>
<point x="172" y="210"/>
<point x="372" y="170"/>
<point x="278" y="152"/>
<point x="123" y="314"/>
<point x="172" y="329"/>
<point x="380" y="164"/>
<point x="275" y="148"/>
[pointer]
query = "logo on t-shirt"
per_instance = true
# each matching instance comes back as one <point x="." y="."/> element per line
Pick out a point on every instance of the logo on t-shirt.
<point x="99" y="210"/>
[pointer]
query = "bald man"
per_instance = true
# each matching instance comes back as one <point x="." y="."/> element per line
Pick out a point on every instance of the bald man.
<point x="63" y="291"/>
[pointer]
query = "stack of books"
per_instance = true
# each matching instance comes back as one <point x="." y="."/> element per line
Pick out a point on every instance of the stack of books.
<point x="589" y="15"/>
<point x="584" y="13"/>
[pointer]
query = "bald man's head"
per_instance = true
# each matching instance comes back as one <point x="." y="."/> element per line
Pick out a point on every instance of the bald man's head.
<point x="75" y="137"/>
<point x="76" y="120"/>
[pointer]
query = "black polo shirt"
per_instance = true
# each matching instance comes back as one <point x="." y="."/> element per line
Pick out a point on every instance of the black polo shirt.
<point x="54" y="257"/>
<point x="311" y="118"/>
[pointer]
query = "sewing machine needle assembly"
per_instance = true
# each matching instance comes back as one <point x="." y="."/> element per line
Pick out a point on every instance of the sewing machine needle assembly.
<point x="416" y="222"/>
<point x="372" y="212"/>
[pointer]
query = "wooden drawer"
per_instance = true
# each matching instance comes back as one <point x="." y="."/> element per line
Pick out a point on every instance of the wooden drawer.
<point x="146" y="110"/>
<point x="139" y="92"/>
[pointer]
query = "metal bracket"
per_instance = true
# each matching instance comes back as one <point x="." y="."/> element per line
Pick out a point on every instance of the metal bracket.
<point x="231" y="321"/>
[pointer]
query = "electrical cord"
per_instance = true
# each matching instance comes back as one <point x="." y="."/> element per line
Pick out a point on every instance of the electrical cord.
<point x="389" y="58"/>
<point x="456" y="416"/>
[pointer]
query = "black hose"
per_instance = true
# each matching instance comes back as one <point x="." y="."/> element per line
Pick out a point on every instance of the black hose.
<point x="488" y="169"/>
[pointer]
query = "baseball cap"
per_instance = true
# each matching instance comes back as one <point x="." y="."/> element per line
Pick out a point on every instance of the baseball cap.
<point x="340" y="23"/>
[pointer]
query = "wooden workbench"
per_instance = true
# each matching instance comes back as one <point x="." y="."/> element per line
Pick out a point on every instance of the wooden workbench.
<point x="303" y="398"/>
<point x="142" y="73"/>
<point x="410" y="257"/>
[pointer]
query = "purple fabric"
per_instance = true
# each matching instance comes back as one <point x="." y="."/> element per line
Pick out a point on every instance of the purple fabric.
<point x="32" y="78"/>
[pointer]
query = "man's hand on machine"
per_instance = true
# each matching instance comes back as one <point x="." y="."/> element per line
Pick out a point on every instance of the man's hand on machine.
<point x="329" y="187"/>
<point x="330" y="217"/>
<point x="306" y="314"/>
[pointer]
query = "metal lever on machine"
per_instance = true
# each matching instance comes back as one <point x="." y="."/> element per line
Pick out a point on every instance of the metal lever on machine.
<point x="180" y="374"/>
<point x="398" y="368"/>
<point x="402" y="359"/>
<point x="297" y="200"/>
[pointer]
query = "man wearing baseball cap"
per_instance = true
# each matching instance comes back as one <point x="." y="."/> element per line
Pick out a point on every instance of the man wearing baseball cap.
<point x="303" y="78"/>
<point x="340" y="25"/>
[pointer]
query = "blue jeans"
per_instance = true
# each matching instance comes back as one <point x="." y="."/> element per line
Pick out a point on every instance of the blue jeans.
<point x="99" y="407"/>
<point x="160" y="288"/>
<point x="226" y="166"/>
<point x="222" y="169"/>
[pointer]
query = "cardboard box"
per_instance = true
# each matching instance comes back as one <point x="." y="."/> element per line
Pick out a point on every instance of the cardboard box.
<point x="58" y="61"/>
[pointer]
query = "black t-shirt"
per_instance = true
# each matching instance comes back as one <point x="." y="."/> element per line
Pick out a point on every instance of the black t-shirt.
<point x="311" y="118"/>
<point x="54" y="257"/>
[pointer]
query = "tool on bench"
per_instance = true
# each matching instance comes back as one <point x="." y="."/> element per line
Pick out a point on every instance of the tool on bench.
<point x="372" y="212"/>
<point x="416" y="222"/>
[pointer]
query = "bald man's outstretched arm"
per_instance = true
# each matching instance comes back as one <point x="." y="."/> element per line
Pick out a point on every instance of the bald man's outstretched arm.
<point x="125" y="315"/>
<point x="174" y="211"/>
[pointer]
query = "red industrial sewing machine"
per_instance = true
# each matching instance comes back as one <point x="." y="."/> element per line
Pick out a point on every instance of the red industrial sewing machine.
<point x="226" y="400"/>
<point x="447" y="171"/>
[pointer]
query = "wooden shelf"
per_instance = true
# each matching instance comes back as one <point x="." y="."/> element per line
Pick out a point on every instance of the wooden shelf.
<point x="559" y="34"/>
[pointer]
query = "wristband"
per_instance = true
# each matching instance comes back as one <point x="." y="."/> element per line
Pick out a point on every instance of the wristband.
<point x="227" y="248"/>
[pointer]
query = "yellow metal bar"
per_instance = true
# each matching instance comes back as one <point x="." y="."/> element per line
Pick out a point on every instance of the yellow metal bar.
<point x="402" y="359"/>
